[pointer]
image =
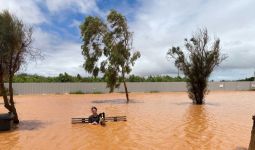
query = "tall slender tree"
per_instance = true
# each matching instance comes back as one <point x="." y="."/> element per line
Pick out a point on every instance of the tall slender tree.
<point x="107" y="48"/>
<point x="15" y="46"/>
<point x="201" y="59"/>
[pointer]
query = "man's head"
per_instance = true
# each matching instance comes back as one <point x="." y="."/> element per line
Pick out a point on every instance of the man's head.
<point x="94" y="110"/>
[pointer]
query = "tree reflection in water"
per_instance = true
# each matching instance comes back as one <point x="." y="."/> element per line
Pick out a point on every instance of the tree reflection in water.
<point x="199" y="127"/>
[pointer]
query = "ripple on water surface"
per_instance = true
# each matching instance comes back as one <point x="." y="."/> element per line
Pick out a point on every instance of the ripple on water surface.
<point x="155" y="121"/>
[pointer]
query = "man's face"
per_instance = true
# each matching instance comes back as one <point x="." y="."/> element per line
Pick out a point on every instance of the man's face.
<point x="94" y="111"/>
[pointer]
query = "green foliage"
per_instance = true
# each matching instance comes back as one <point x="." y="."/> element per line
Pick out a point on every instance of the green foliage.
<point x="165" y="79"/>
<point x="133" y="78"/>
<point x="107" y="48"/>
<point x="199" y="64"/>
<point x="21" y="78"/>
<point x="92" y="30"/>
<point x="15" y="47"/>
<point x="15" y="39"/>
<point x="27" y="78"/>
<point x="65" y="77"/>
<point x="248" y="79"/>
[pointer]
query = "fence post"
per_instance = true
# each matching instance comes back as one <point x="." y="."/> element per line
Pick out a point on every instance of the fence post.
<point x="252" y="142"/>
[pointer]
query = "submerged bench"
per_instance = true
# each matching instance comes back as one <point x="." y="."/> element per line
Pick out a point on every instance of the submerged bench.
<point x="252" y="142"/>
<point x="6" y="121"/>
<point x="107" y="119"/>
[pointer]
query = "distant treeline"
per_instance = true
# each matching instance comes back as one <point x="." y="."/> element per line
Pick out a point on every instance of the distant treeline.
<point x="65" y="77"/>
<point x="247" y="79"/>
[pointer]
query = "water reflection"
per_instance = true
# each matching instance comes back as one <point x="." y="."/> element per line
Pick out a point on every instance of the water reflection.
<point x="198" y="127"/>
<point x="111" y="136"/>
<point x="190" y="103"/>
<point x="115" y="101"/>
<point x="8" y="139"/>
<point x="163" y="121"/>
<point x="31" y="125"/>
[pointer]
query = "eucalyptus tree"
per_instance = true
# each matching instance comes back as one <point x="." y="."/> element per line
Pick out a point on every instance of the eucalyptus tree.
<point x="15" y="46"/>
<point x="197" y="62"/>
<point x="107" y="49"/>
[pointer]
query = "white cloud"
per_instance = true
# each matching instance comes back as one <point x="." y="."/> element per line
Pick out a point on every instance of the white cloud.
<point x="59" y="55"/>
<point x="27" y="10"/>
<point x="159" y="25"/>
<point x="83" y="6"/>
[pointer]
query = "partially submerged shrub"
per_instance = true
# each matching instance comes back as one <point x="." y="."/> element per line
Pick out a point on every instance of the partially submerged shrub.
<point x="198" y="64"/>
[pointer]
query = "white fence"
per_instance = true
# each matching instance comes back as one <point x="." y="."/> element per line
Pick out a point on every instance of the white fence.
<point x="59" y="88"/>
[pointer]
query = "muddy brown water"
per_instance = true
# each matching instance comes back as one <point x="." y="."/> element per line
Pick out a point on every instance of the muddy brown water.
<point x="155" y="121"/>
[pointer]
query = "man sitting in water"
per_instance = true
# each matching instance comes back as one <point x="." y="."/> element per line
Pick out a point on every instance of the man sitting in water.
<point x="95" y="118"/>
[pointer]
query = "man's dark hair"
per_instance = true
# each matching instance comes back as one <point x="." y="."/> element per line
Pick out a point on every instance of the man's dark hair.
<point x="93" y="108"/>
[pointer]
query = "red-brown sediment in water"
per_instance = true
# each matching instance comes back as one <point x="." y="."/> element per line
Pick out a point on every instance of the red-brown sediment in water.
<point x="155" y="121"/>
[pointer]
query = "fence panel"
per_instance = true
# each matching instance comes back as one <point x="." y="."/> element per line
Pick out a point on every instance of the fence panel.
<point x="54" y="88"/>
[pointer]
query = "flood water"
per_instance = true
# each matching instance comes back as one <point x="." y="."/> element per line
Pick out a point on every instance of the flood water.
<point x="155" y="121"/>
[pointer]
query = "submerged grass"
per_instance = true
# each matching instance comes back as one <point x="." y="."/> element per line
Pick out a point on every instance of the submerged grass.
<point x="97" y="92"/>
<point x="80" y="92"/>
<point x="76" y="92"/>
<point x="153" y="92"/>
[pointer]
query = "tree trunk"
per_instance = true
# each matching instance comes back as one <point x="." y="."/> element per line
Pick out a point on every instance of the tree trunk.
<point x="198" y="92"/>
<point x="200" y="97"/>
<point x="4" y="94"/>
<point x="126" y="90"/>
<point x="8" y="104"/>
<point x="125" y="86"/>
<point x="14" y="111"/>
<point x="252" y="142"/>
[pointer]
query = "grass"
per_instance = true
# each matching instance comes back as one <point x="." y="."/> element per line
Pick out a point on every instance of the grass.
<point x="97" y="92"/>
<point x="76" y="92"/>
<point x="80" y="92"/>
<point x="153" y="91"/>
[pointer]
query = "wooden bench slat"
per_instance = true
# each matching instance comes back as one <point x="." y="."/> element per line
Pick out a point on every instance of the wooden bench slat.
<point x="107" y="119"/>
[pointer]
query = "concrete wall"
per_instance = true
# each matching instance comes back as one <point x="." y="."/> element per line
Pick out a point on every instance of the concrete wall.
<point x="44" y="88"/>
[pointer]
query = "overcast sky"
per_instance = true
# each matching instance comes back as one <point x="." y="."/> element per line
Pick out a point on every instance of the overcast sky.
<point x="157" y="26"/>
